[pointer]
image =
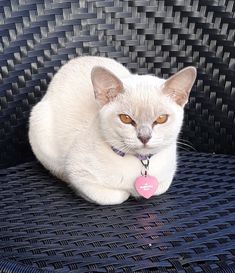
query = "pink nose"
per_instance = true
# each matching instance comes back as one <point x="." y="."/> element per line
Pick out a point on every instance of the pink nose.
<point x="144" y="139"/>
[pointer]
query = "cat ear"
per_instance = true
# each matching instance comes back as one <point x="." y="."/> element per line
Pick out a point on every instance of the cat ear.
<point x="179" y="85"/>
<point x="106" y="85"/>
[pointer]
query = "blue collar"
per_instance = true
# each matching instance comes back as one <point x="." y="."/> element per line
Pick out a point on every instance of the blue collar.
<point x="139" y="156"/>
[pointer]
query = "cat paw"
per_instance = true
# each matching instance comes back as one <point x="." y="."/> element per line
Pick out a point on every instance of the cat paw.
<point x="114" y="197"/>
<point x="163" y="187"/>
<point x="103" y="196"/>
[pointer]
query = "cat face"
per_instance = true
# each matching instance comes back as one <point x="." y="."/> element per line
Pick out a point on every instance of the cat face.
<point x="141" y="114"/>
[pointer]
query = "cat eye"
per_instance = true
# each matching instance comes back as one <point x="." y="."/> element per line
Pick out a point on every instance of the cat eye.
<point x="161" y="119"/>
<point x="126" y="119"/>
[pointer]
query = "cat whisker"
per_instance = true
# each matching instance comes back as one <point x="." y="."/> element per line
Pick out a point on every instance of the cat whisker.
<point x="184" y="140"/>
<point x="117" y="144"/>
<point x="123" y="147"/>
<point x="186" y="145"/>
<point x="111" y="142"/>
<point x="183" y="148"/>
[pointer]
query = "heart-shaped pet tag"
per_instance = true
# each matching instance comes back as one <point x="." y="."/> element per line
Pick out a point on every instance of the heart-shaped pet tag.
<point x="146" y="186"/>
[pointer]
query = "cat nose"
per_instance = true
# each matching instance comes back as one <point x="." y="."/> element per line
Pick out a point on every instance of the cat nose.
<point x="144" y="139"/>
<point x="144" y="133"/>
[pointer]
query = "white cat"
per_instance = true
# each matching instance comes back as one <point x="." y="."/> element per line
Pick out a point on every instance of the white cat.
<point x="94" y="110"/>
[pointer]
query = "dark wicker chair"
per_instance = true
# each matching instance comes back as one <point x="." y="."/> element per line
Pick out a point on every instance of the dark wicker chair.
<point x="44" y="226"/>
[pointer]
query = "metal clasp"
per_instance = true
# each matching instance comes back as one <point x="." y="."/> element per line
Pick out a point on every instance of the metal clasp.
<point x="145" y="164"/>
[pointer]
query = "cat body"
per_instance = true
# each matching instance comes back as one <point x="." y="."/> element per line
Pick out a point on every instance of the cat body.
<point x="73" y="129"/>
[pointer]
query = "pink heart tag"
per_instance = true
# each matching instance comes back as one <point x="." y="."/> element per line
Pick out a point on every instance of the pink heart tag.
<point x="146" y="186"/>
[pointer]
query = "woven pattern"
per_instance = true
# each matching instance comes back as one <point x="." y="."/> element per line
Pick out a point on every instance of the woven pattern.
<point x="158" y="37"/>
<point x="44" y="225"/>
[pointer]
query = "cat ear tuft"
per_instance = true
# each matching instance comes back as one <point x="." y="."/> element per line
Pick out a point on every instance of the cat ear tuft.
<point x="179" y="85"/>
<point x="106" y="85"/>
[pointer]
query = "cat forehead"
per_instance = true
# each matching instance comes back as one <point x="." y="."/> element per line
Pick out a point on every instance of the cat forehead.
<point x="143" y="82"/>
<point x="142" y="98"/>
<point x="142" y="91"/>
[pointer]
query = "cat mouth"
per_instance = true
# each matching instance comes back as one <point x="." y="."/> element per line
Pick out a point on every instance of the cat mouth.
<point x="143" y="149"/>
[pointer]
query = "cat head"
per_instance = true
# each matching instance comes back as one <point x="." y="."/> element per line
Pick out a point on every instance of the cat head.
<point x="141" y="114"/>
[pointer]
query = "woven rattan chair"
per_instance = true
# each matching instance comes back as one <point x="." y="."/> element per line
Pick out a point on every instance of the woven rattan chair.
<point x="44" y="226"/>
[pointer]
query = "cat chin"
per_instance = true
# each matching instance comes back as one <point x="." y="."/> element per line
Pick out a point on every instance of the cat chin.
<point x="146" y="151"/>
<point x="150" y="150"/>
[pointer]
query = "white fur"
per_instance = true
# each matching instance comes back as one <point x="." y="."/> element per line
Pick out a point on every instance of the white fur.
<point x="71" y="134"/>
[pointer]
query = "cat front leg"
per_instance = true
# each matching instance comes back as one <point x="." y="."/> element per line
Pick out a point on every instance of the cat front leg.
<point x="99" y="194"/>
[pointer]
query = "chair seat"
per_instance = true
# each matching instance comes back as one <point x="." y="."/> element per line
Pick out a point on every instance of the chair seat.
<point x="46" y="227"/>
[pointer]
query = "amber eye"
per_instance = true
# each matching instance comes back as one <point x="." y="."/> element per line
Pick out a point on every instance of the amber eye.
<point x="161" y="119"/>
<point x="126" y="119"/>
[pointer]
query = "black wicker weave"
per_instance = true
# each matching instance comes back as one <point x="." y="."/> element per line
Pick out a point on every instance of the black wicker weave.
<point x="44" y="226"/>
